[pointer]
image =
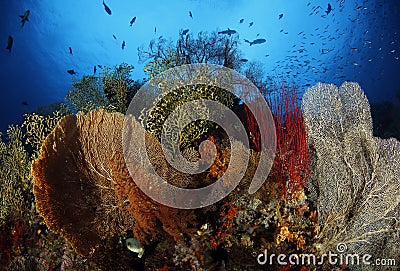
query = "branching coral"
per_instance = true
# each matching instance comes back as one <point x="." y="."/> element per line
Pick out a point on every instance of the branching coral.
<point x="15" y="179"/>
<point x="355" y="176"/>
<point x="37" y="127"/>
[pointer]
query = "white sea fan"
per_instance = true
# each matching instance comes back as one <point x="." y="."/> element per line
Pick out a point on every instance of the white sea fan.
<point x="355" y="178"/>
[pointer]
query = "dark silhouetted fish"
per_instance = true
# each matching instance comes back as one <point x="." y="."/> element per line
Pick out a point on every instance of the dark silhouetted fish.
<point x="100" y="66"/>
<point x="94" y="69"/>
<point x="25" y="103"/>
<point x="108" y="10"/>
<point x="243" y="60"/>
<point x="132" y="21"/>
<point x="257" y="41"/>
<point x="280" y="16"/>
<point x="123" y="45"/>
<point x="227" y="32"/>
<point x="190" y="14"/>
<point x="184" y="32"/>
<point x="155" y="29"/>
<point x="24" y="18"/>
<point x="70" y="50"/>
<point x="71" y="72"/>
<point x="247" y="41"/>
<point x="329" y="9"/>
<point x="9" y="43"/>
<point x="114" y="37"/>
<point x="250" y="24"/>
<point x="241" y="21"/>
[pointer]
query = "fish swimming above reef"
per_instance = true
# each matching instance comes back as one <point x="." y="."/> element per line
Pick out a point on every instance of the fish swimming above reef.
<point x="94" y="69"/>
<point x="107" y="9"/>
<point x="9" y="43"/>
<point x="71" y="72"/>
<point x="241" y="21"/>
<point x="70" y="50"/>
<point x="123" y="45"/>
<point x="251" y="24"/>
<point x="114" y="37"/>
<point x="24" y="103"/>
<point x="228" y="32"/>
<point x="243" y="60"/>
<point x="132" y="21"/>
<point x="24" y="18"/>
<point x="184" y="32"/>
<point x="280" y="16"/>
<point x="190" y="14"/>
<point x="329" y="9"/>
<point x="257" y="41"/>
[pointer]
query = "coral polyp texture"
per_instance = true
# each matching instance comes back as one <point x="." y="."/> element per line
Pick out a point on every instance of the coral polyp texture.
<point x="354" y="177"/>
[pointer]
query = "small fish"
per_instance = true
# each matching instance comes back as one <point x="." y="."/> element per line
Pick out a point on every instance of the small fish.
<point x="251" y="24"/>
<point x="329" y="9"/>
<point x="228" y="32"/>
<point x="24" y="18"/>
<point x="184" y="32"/>
<point x="134" y="246"/>
<point x="155" y="29"/>
<point x="247" y="41"/>
<point x="257" y="41"/>
<point x="280" y="16"/>
<point x="9" y="43"/>
<point x="123" y="45"/>
<point x="132" y="21"/>
<point x="241" y="21"/>
<point x="100" y="66"/>
<point x="190" y="14"/>
<point x="94" y="69"/>
<point x="107" y="9"/>
<point x="70" y="50"/>
<point x="25" y="103"/>
<point x="243" y="60"/>
<point x="114" y="37"/>
<point x="71" y="72"/>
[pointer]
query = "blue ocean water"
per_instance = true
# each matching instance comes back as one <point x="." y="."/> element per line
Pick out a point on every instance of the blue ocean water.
<point x="305" y="42"/>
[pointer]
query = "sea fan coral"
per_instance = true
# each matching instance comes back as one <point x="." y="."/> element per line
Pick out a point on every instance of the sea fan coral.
<point x="73" y="183"/>
<point x="355" y="176"/>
